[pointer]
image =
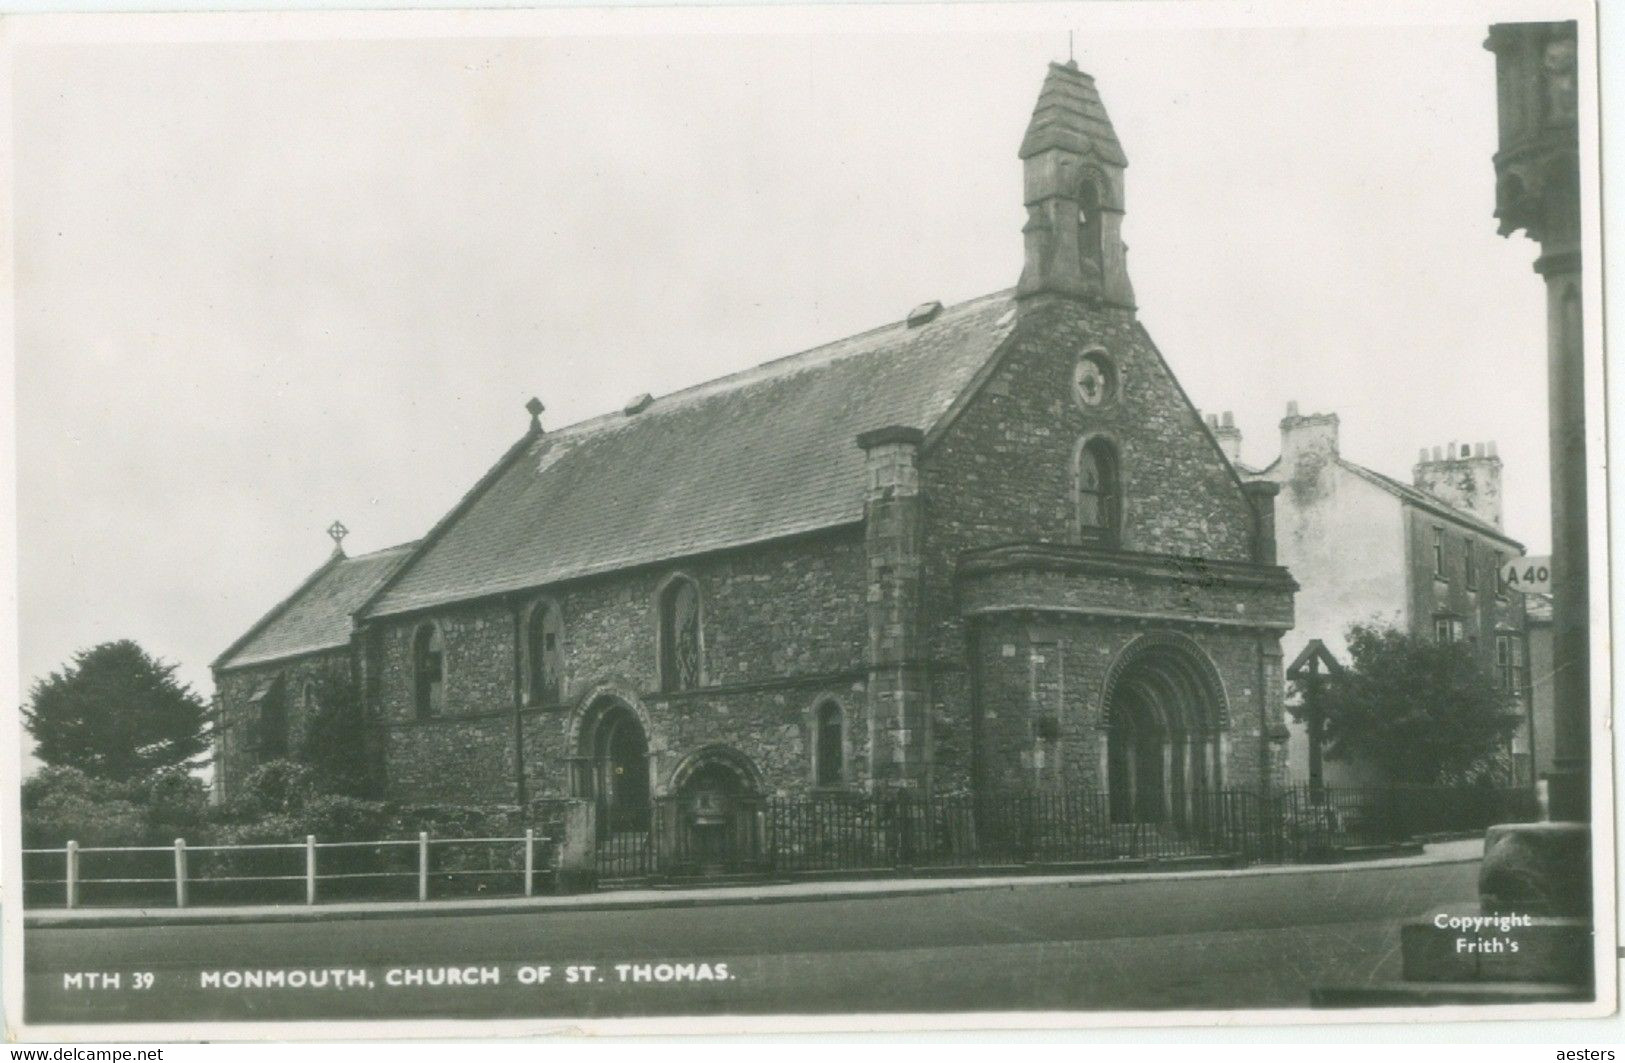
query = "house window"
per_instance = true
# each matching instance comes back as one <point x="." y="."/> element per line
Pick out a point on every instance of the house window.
<point x="429" y="670"/>
<point x="1446" y="629"/>
<point x="544" y="653"/>
<point x="1509" y="663"/>
<point x="680" y="635"/>
<point x="1469" y="565"/>
<point x="1099" y="492"/>
<point x="1438" y="553"/>
<point x="1500" y="574"/>
<point x="830" y="748"/>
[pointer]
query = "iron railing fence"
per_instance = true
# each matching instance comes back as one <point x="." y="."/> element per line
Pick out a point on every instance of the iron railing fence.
<point x="1317" y="820"/>
<point x="311" y="871"/>
<point x="840" y="833"/>
<point x="855" y="833"/>
<point x="785" y="836"/>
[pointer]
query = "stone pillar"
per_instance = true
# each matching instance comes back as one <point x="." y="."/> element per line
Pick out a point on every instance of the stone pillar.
<point x="1538" y="192"/>
<point x="577" y="866"/>
<point x="1269" y="695"/>
<point x="898" y="703"/>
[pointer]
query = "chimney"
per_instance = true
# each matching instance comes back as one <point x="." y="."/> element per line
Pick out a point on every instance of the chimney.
<point x="1307" y="438"/>
<point x="1225" y="431"/>
<point x="1464" y="476"/>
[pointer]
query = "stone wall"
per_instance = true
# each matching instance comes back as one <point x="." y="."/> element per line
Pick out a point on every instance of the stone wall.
<point x="1003" y="472"/>
<point x="1030" y="666"/>
<point x="235" y="749"/>
<point x="782" y="623"/>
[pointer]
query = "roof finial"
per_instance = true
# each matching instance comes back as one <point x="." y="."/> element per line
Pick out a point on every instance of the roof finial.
<point x="535" y="407"/>
<point x="1071" y="59"/>
<point x="337" y="531"/>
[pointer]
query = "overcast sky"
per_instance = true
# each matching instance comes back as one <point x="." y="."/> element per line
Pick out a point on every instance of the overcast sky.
<point x="264" y="285"/>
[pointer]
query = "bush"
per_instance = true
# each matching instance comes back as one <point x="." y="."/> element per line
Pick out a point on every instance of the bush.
<point x="335" y="818"/>
<point x="457" y="821"/>
<point x="54" y="783"/>
<point x="63" y="804"/>
<point x="277" y="786"/>
<point x="177" y="806"/>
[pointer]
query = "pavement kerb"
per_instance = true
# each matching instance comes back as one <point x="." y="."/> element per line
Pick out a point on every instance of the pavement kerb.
<point x="1460" y="852"/>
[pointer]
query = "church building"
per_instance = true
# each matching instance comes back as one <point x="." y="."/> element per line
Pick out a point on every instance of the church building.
<point x="989" y="546"/>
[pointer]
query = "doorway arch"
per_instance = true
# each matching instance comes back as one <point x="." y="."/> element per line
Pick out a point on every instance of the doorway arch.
<point x="615" y="747"/>
<point x="1164" y="718"/>
<point x="718" y="810"/>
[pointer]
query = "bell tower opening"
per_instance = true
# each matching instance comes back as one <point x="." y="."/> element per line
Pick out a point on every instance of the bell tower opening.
<point x="1073" y="190"/>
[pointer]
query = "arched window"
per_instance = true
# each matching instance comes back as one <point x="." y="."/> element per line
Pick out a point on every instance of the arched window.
<point x="1100" y="493"/>
<point x="1090" y="245"/>
<point x="680" y="635"/>
<point x="429" y="670"/>
<point x="544" y="652"/>
<point x="830" y="745"/>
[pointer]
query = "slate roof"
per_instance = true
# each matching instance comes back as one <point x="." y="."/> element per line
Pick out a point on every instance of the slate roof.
<point x="759" y="455"/>
<point x="317" y="615"/>
<point x="1428" y="501"/>
<point x="1069" y="115"/>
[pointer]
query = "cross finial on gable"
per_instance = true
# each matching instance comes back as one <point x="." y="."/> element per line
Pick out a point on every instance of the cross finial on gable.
<point x="337" y="531"/>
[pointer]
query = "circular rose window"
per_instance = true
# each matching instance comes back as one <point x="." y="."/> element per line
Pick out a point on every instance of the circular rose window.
<point x="1093" y="380"/>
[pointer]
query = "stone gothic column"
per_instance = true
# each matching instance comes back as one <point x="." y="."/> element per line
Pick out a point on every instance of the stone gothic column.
<point x="899" y="713"/>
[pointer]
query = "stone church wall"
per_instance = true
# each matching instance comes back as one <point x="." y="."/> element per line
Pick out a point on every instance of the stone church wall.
<point x="1003" y="473"/>
<point x="782" y="622"/>
<point x="236" y="752"/>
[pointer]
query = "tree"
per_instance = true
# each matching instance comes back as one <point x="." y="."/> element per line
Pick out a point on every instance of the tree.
<point x="1423" y="712"/>
<point x="117" y="713"/>
<point x="339" y="746"/>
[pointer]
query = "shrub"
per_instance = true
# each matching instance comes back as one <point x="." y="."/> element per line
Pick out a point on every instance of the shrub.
<point x="457" y="821"/>
<point x="177" y="806"/>
<point x="278" y="786"/>
<point x="65" y="817"/>
<point x="335" y="818"/>
<point x="56" y="782"/>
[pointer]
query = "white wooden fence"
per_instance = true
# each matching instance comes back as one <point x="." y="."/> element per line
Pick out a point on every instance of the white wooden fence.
<point x="73" y="882"/>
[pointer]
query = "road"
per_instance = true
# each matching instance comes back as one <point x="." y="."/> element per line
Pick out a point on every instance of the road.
<point x="1226" y="942"/>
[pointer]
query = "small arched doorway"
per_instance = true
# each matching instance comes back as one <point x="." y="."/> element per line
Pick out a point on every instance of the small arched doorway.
<point x="1165" y="713"/>
<point x="619" y="755"/>
<point x="718" y="811"/>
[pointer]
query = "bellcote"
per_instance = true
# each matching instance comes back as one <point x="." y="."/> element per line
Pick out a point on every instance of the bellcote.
<point x="1073" y="191"/>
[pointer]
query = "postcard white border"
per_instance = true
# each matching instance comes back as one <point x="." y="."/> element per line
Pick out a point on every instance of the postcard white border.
<point x="16" y="31"/>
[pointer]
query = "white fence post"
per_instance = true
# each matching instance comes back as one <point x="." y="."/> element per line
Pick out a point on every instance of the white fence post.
<point x="180" y="872"/>
<point x="423" y="865"/>
<point x="530" y="860"/>
<point x="73" y="874"/>
<point x="310" y="869"/>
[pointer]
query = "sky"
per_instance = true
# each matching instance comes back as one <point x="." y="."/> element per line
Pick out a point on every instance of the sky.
<point x="261" y="285"/>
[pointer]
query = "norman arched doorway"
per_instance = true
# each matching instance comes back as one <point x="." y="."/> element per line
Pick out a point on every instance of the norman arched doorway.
<point x="718" y="811"/>
<point x="1164" y="720"/>
<point x="617" y="752"/>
